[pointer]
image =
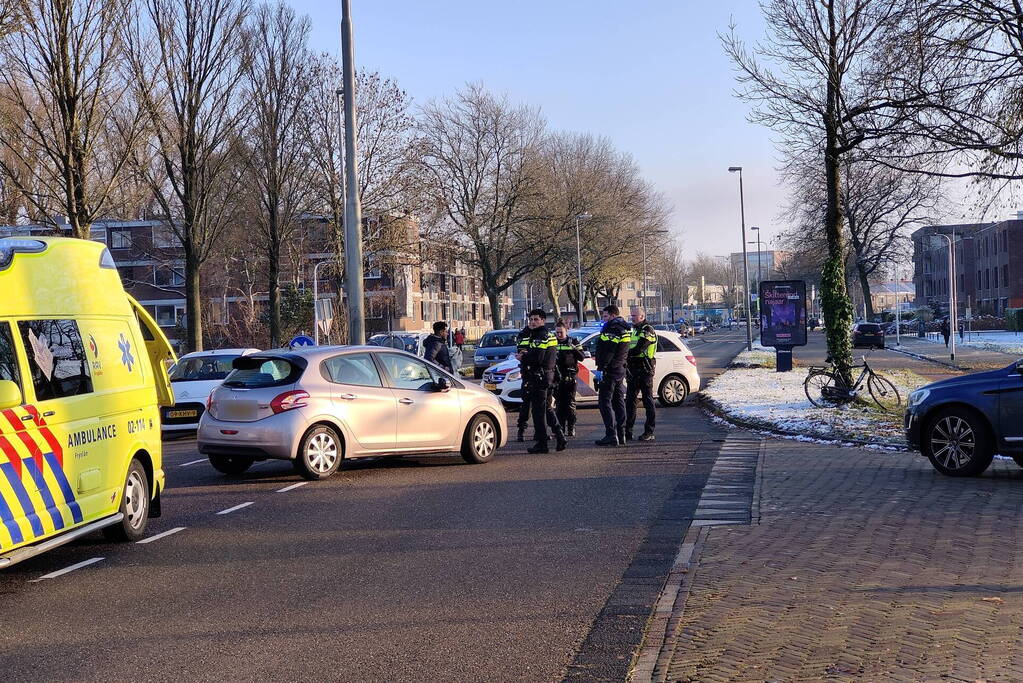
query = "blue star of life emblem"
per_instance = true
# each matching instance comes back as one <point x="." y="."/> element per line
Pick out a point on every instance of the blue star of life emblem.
<point x="127" y="360"/>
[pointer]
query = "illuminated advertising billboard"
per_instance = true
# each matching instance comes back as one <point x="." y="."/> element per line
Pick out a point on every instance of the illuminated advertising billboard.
<point x="783" y="313"/>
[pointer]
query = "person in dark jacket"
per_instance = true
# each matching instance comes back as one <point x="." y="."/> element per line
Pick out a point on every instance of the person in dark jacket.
<point x="640" y="372"/>
<point x="612" y="352"/>
<point x="538" y="360"/>
<point x="435" y="347"/>
<point x="946" y="331"/>
<point x="521" y="346"/>
<point x="569" y="355"/>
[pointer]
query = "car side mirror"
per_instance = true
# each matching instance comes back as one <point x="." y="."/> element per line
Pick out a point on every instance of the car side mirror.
<point x="442" y="384"/>
<point x="10" y="394"/>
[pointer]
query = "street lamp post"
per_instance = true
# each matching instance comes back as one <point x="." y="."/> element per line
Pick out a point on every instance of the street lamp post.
<point x="579" y="265"/>
<point x="953" y="324"/>
<point x="745" y="260"/>
<point x="760" y="260"/>
<point x="353" y="210"/>
<point x="316" y="300"/>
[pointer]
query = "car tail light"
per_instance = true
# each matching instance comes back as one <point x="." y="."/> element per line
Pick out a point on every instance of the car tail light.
<point x="209" y="402"/>
<point x="289" y="400"/>
<point x="692" y="360"/>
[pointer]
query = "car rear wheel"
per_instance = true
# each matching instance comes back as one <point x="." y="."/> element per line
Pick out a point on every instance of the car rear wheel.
<point x="958" y="443"/>
<point x="134" y="506"/>
<point x="673" y="391"/>
<point x="480" y="441"/>
<point x="320" y="454"/>
<point x="231" y="464"/>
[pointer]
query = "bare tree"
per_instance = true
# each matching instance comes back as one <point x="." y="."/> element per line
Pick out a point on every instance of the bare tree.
<point x="827" y="87"/>
<point x="186" y="59"/>
<point x="65" y="132"/>
<point x="476" y="151"/>
<point x="278" y="85"/>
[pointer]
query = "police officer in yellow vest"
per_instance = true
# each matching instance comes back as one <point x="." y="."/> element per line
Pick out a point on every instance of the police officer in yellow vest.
<point x="640" y="374"/>
<point x="570" y="354"/>
<point x="521" y="346"/>
<point x="537" y="362"/>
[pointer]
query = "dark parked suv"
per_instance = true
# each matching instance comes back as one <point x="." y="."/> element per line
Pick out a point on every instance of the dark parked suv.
<point x="868" y="334"/>
<point x="961" y="422"/>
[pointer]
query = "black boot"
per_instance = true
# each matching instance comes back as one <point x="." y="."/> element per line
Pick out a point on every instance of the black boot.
<point x="562" y="442"/>
<point x="522" y="435"/>
<point x="571" y="431"/>
<point x="539" y="447"/>
<point x="647" y="435"/>
<point x="609" y="440"/>
<point x="629" y="436"/>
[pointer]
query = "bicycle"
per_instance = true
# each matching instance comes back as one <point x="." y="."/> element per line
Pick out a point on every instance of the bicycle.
<point x="825" y="387"/>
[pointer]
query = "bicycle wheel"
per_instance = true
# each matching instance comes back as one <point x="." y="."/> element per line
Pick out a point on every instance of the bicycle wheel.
<point x="815" y="384"/>
<point x="884" y="393"/>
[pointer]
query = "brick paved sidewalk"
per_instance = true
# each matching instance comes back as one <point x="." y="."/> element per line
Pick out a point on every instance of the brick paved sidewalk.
<point x="864" y="565"/>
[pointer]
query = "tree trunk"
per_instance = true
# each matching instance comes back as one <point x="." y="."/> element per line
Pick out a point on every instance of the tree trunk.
<point x="494" y="297"/>
<point x="193" y="302"/>
<point x="552" y="292"/>
<point x="834" y="295"/>
<point x="274" y="285"/>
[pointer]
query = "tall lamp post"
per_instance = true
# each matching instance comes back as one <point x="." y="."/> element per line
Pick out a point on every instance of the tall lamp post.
<point x="579" y="265"/>
<point x="953" y="324"/>
<point x="760" y="259"/>
<point x="353" y="210"/>
<point x="745" y="260"/>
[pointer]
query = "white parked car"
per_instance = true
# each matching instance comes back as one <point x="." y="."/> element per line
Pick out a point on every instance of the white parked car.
<point x="193" y="378"/>
<point x="675" y="376"/>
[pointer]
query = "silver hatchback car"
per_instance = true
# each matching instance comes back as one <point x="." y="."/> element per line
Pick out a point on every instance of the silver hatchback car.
<point x="319" y="405"/>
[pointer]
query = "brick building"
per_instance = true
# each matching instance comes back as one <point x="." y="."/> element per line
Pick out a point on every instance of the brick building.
<point x="989" y="266"/>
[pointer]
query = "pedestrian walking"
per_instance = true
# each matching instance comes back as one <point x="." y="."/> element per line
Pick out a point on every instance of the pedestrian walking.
<point x="569" y="354"/>
<point x="435" y="347"/>
<point x="946" y="331"/>
<point x="537" y="362"/>
<point x="640" y="375"/>
<point x="459" y="338"/>
<point x="612" y="352"/>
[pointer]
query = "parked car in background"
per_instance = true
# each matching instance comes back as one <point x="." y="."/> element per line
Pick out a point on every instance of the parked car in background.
<point x="318" y="405"/>
<point x="676" y="375"/>
<point x="494" y="347"/>
<point x="961" y="422"/>
<point x="700" y="327"/>
<point x="869" y="335"/>
<point x="193" y="378"/>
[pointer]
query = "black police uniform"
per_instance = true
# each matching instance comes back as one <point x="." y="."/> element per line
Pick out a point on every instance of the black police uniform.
<point x="612" y="351"/>
<point x="538" y="363"/>
<point x="522" y="345"/>
<point x="640" y="372"/>
<point x="569" y="355"/>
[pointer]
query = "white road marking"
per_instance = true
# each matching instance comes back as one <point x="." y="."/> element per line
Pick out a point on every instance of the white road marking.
<point x="236" y="507"/>
<point x="159" y="536"/>
<point x="66" y="570"/>
<point x="292" y="487"/>
<point x="193" y="462"/>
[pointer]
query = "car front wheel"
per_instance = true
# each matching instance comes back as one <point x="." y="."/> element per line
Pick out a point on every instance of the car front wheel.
<point x="958" y="443"/>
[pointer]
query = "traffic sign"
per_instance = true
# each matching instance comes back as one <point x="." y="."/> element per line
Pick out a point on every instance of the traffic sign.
<point x="300" y="341"/>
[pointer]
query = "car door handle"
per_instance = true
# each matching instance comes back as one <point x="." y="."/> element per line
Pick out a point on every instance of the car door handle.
<point x="49" y="413"/>
<point x="348" y="397"/>
<point x="406" y="401"/>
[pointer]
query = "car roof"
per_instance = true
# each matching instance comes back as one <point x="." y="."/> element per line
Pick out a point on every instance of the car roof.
<point x="507" y="330"/>
<point x="219" y="352"/>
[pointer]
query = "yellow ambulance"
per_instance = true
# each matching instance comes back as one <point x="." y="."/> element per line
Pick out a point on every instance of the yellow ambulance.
<point x="82" y="376"/>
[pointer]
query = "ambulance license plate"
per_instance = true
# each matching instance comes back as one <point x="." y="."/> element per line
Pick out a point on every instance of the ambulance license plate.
<point x="182" y="413"/>
<point x="490" y="386"/>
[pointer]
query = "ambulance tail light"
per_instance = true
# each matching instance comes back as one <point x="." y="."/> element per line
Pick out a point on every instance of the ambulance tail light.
<point x="289" y="400"/>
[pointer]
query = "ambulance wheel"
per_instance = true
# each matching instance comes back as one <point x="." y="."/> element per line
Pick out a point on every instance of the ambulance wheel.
<point x="230" y="464"/>
<point x="134" y="506"/>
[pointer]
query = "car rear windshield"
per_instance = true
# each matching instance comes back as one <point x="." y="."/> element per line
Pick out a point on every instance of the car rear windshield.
<point x="870" y="328"/>
<point x="252" y="372"/>
<point x="494" y="339"/>
<point x="202" y="368"/>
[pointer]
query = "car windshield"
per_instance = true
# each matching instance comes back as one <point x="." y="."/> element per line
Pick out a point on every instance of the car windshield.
<point x="253" y="372"/>
<point x="493" y="340"/>
<point x="202" y="368"/>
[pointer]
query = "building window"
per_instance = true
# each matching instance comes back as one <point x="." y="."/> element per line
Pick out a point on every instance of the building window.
<point x="1005" y="240"/>
<point x="980" y="280"/>
<point x="127" y="274"/>
<point x="164" y="237"/>
<point x="120" y="239"/>
<point x="632" y="285"/>
<point x="987" y="278"/>
<point x="1005" y="274"/>
<point x="168" y="315"/>
<point x="994" y="279"/>
<point x="168" y="276"/>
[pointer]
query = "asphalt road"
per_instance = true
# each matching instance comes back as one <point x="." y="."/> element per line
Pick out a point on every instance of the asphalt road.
<point x="396" y="569"/>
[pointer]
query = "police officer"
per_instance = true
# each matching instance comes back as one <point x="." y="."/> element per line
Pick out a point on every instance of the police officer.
<point x="537" y="362"/>
<point x="521" y="345"/>
<point x="612" y="351"/>
<point x="640" y="374"/>
<point x="569" y="355"/>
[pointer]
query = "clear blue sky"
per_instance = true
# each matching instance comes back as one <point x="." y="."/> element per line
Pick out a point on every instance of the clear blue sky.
<point x="650" y="75"/>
